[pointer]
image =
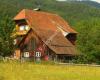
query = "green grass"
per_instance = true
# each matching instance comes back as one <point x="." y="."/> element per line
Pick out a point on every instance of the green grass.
<point x="31" y="71"/>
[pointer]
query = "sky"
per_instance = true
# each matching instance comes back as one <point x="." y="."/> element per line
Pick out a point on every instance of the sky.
<point x="96" y="1"/>
<point x="80" y="0"/>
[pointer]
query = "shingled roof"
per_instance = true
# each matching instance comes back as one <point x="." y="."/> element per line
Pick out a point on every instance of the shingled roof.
<point x="43" y="24"/>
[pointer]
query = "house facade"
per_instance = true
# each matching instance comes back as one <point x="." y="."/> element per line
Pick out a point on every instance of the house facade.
<point x="43" y="35"/>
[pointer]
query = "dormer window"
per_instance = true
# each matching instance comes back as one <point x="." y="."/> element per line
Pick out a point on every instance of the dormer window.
<point x="24" y="27"/>
<point x="27" y="27"/>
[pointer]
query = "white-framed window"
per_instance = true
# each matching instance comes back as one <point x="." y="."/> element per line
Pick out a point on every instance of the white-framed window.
<point x="38" y="54"/>
<point x="26" y="54"/>
<point x="24" y="27"/>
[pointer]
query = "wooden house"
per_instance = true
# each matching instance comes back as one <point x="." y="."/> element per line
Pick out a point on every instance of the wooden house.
<point x="45" y="35"/>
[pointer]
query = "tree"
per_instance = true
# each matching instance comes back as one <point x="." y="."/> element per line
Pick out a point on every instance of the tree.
<point x="6" y="41"/>
<point x="88" y="40"/>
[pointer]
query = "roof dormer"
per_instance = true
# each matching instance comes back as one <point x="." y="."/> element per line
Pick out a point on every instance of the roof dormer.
<point x="21" y="27"/>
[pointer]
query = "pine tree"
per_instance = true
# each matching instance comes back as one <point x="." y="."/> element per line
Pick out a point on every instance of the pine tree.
<point x="6" y="41"/>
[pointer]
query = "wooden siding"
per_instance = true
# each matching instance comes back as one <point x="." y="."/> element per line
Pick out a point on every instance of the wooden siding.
<point x="32" y="43"/>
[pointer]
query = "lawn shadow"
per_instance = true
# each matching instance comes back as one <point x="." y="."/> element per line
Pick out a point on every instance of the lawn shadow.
<point x="2" y="78"/>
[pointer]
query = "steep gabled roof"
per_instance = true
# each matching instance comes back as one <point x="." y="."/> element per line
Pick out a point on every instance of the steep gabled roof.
<point x="44" y="20"/>
<point x="45" y="25"/>
<point x="21" y="15"/>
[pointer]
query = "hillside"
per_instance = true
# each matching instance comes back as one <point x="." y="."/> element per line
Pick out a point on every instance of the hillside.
<point x="83" y="16"/>
<point x="69" y="10"/>
<point x="91" y="3"/>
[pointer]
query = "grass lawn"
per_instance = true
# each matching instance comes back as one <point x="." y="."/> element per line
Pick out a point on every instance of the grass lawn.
<point x="31" y="71"/>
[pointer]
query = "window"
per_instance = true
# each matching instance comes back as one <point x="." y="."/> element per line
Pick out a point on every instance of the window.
<point x="38" y="54"/>
<point x="24" y="27"/>
<point x="26" y="54"/>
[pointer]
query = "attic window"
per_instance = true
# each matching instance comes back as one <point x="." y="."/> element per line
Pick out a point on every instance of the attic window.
<point x="24" y="27"/>
<point x="21" y="28"/>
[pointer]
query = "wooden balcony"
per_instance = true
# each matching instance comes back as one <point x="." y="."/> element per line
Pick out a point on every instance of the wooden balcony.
<point x="21" y="32"/>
